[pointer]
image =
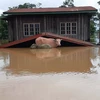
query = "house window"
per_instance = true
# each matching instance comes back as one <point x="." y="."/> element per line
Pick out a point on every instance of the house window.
<point x="31" y="28"/>
<point x="68" y="28"/>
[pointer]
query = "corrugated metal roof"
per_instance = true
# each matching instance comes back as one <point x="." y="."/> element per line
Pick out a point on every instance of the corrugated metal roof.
<point x="24" y="42"/>
<point x="47" y="10"/>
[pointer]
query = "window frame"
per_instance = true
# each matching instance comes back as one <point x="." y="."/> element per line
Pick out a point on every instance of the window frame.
<point x="70" y="28"/>
<point x="29" y="28"/>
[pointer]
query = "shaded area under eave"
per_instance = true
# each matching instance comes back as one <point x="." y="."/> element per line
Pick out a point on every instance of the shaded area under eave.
<point x="27" y="42"/>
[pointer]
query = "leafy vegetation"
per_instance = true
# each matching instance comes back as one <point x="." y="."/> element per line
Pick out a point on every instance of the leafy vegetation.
<point x="99" y="21"/>
<point x="3" y="28"/>
<point x="93" y="29"/>
<point x="26" y="5"/>
<point x="68" y="3"/>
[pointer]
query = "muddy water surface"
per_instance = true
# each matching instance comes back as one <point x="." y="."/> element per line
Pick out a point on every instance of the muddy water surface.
<point x="71" y="73"/>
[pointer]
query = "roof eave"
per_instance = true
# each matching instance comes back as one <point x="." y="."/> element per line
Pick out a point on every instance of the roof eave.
<point x="41" y="13"/>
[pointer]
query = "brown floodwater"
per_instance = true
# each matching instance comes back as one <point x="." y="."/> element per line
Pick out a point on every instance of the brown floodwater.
<point x="68" y="73"/>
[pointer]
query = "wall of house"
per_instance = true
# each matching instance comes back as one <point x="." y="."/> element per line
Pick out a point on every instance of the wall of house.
<point x="12" y="29"/>
<point x="49" y="23"/>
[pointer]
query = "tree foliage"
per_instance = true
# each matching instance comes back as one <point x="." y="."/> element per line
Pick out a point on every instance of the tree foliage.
<point x="99" y="21"/>
<point x="68" y="3"/>
<point x="92" y="26"/>
<point x="26" y="5"/>
<point x="93" y="30"/>
<point x="3" y="28"/>
<point x="98" y="2"/>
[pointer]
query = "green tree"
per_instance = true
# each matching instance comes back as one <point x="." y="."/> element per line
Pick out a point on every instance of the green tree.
<point x="99" y="20"/>
<point x="26" y="5"/>
<point x="92" y="26"/>
<point x="3" y="28"/>
<point x="38" y="5"/>
<point x="68" y="3"/>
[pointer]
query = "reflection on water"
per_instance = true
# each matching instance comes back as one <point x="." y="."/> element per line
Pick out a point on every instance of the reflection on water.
<point x="48" y="60"/>
<point x="56" y="60"/>
<point x="95" y="60"/>
<point x="4" y="60"/>
<point x="70" y="73"/>
<point x="46" y="53"/>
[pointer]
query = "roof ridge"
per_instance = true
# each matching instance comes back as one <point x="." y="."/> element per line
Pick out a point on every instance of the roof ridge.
<point x="56" y="9"/>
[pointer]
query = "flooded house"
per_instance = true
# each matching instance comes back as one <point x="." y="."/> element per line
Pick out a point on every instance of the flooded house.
<point x="72" y="22"/>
